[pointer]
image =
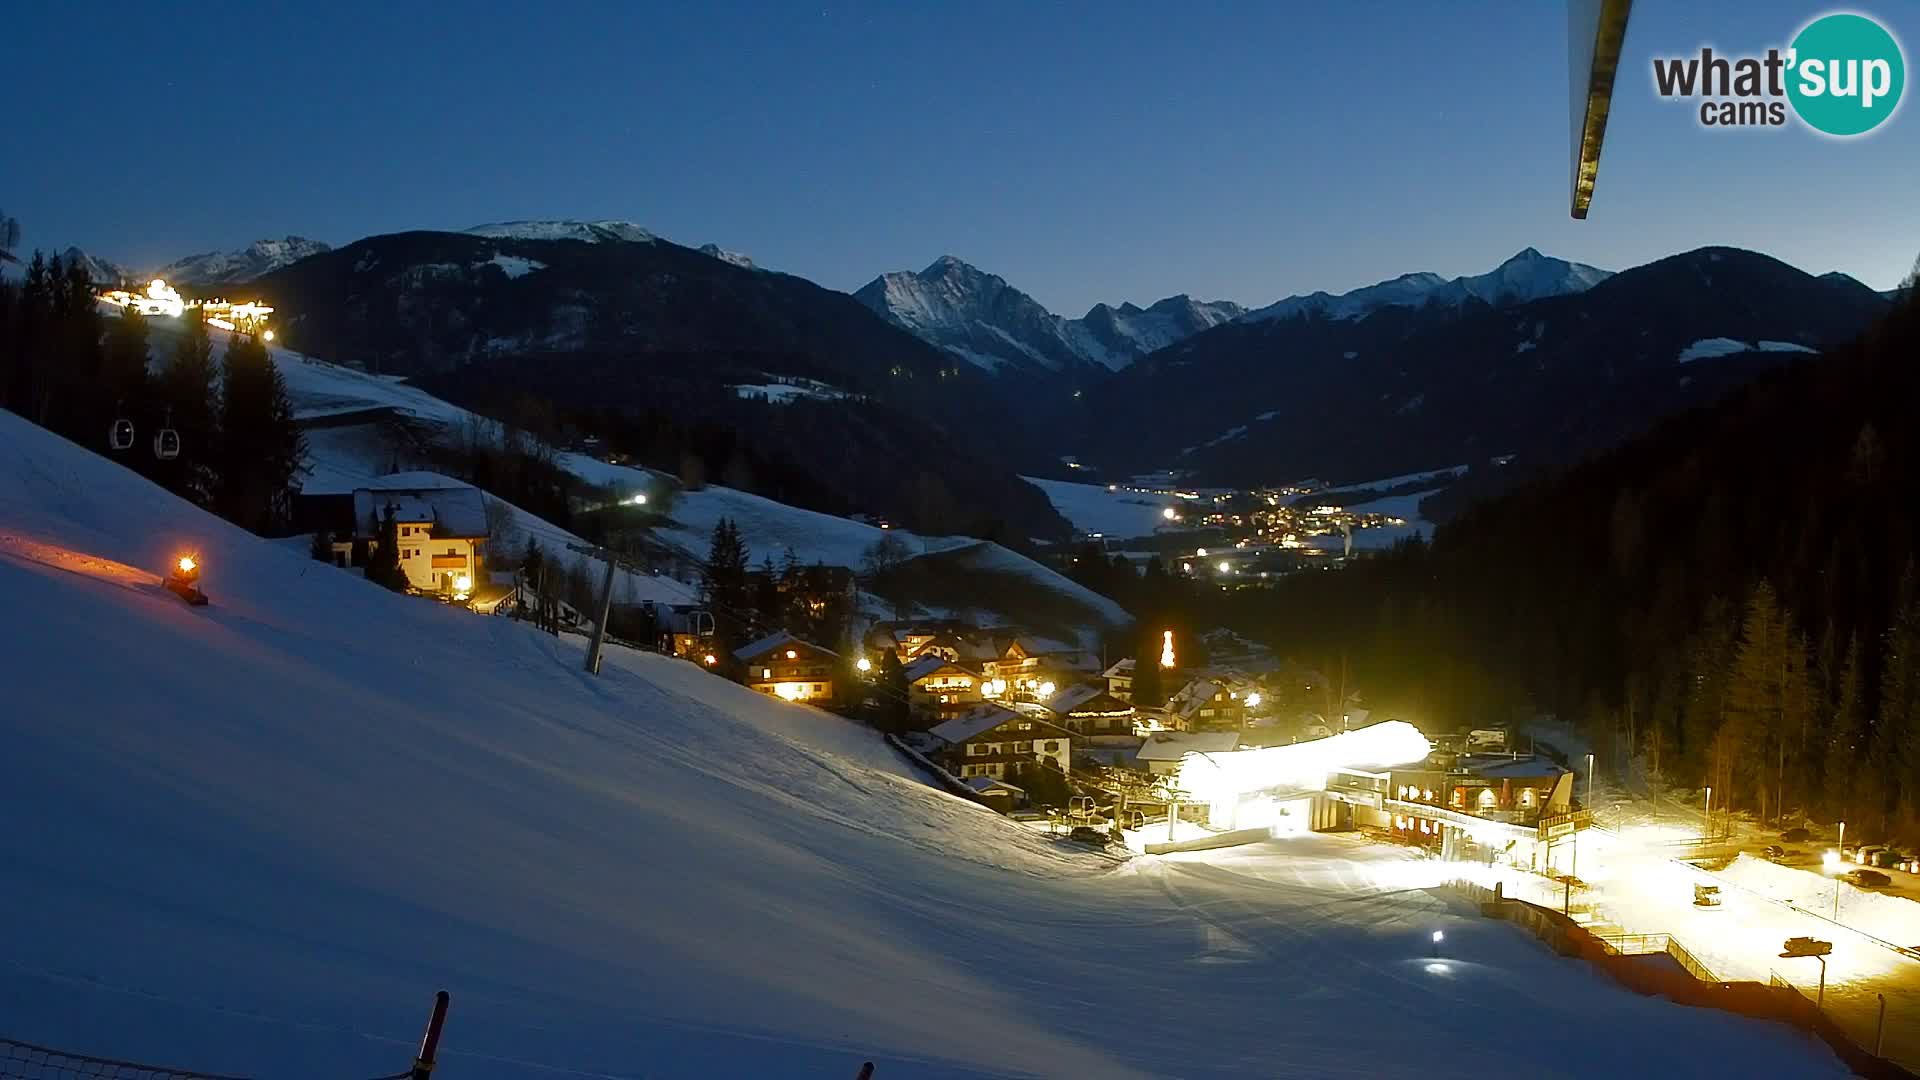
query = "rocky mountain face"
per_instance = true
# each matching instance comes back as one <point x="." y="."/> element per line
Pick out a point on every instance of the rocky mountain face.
<point x="981" y="319"/>
<point x="215" y="268"/>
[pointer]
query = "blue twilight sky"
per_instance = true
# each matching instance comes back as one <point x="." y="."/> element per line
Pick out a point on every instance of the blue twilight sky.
<point x="1084" y="151"/>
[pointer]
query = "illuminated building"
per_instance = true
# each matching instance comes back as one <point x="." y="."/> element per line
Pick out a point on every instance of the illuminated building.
<point x="784" y="666"/>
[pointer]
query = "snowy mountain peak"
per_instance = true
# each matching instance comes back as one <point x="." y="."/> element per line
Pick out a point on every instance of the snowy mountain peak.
<point x="978" y="317"/>
<point x="1528" y="275"/>
<point x="591" y="232"/>
<point x="236" y="267"/>
<point x="732" y="258"/>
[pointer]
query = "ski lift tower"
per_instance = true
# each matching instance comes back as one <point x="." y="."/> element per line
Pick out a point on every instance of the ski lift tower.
<point x="613" y="559"/>
<point x="1596" y="30"/>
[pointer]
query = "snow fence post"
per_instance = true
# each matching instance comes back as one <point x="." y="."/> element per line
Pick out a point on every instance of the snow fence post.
<point x="430" y="1042"/>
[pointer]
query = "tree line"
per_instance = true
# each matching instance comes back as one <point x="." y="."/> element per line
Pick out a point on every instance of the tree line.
<point x="73" y="371"/>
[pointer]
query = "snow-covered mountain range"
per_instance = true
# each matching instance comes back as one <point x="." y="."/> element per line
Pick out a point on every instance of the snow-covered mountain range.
<point x="235" y="267"/>
<point x="980" y="318"/>
<point x="1528" y="275"/>
<point x="592" y="232"/>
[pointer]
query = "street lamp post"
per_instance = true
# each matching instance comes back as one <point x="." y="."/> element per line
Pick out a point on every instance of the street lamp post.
<point x="1706" y="830"/>
<point x="1589" y="781"/>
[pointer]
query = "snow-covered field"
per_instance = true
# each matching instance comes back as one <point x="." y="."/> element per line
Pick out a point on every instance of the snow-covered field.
<point x="1091" y="508"/>
<point x="255" y="837"/>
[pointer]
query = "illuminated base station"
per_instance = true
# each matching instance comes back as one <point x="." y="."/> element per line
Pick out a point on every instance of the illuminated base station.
<point x="1388" y="779"/>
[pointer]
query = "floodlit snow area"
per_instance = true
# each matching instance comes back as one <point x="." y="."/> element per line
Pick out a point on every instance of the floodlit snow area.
<point x="254" y="837"/>
<point x="1093" y="508"/>
<point x="1638" y="886"/>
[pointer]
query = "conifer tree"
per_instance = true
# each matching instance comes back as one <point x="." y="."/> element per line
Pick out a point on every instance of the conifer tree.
<point x="724" y="583"/>
<point x="260" y="446"/>
<point x="124" y="386"/>
<point x="383" y="565"/>
<point x="1846" y="740"/>
<point x="188" y="395"/>
<point x="892" y="687"/>
<point x="1898" y="750"/>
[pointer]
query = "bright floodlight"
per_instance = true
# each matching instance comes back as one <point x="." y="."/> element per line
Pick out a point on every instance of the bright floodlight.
<point x="712" y="659"/>
<point x="186" y="564"/>
<point x="1830" y="860"/>
<point x="1253" y="700"/>
<point x="1168" y="513"/>
<point x="268" y="335"/>
<point x="1438" y="936"/>
<point x="1046" y="690"/>
<point x="1223" y="566"/>
<point x="1201" y="552"/>
<point x="462" y="583"/>
<point x="863" y="664"/>
<point x="1226" y="776"/>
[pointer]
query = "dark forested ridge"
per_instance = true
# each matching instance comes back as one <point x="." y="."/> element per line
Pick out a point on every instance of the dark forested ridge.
<point x="1733" y="594"/>
<point x="1406" y="389"/>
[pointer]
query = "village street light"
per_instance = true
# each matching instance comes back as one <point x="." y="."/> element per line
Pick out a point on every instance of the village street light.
<point x="1589" y="781"/>
<point x="863" y="665"/>
<point x="1438" y="937"/>
<point x="1706" y="830"/>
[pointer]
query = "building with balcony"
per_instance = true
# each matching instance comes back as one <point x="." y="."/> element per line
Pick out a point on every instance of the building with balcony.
<point x="784" y="666"/>
<point x="995" y="741"/>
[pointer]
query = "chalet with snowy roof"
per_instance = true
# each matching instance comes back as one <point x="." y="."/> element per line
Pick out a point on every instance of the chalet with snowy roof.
<point x="992" y="740"/>
<point x="1163" y="751"/>
<point x="1087" y="709"/>
<point x="784" y="666"/>
<point x="1025" y="666"/>
<point x="441" y="533"/>
<point x="1204" y="704"/>
<point x="939" y="689"/>
<point x="1120" y="679"/>
<point x="996" y="794"/>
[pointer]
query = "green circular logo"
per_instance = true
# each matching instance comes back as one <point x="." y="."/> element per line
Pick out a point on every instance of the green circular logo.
<point x="1846" y="74"/>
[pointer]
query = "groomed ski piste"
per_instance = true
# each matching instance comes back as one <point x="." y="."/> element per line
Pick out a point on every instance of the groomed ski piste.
<point x="253" y="838"/>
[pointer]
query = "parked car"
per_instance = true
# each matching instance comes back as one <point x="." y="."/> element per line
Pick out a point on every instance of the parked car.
<point x="1887" y="857"/>
<point x="1086" y="834"/>
<point x="1796" y="836"/>
<point x="1868" y="879"/>
<point x="1864" y="854"/>
<point x="1774" y="851"/>
<point x="1706" y="896"/>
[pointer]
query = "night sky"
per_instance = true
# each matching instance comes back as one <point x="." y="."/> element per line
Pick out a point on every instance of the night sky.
<point x="1086" y="152"/>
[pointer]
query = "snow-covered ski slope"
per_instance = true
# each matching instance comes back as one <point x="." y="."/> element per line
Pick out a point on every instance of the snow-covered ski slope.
<point x="254" y="837"/>
<point x="342" y="458"/>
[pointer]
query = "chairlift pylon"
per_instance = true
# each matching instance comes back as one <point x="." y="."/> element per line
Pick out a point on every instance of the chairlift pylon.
<point x="166" y="442"/>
